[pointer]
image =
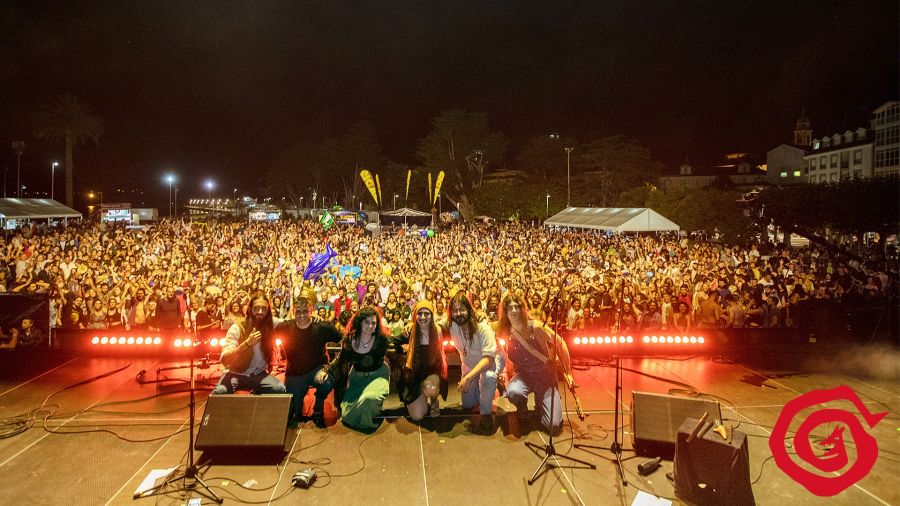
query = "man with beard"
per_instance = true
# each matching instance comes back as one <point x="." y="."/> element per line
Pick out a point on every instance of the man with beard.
<point x="481" y="363"/>
<point x="304" y="346"/>
<point x="168" y="311"/>
<point x="249" y="352"/>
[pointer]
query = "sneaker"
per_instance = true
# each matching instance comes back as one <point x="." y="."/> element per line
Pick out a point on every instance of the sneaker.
<point x="318" y="418"/>
<point x="434" y="408"/>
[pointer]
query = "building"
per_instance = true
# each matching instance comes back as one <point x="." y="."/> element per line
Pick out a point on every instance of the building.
<point x="886" y="125"/>
<point x="739" y="170"/>
<point x="785" y="163"/>
<point x="840" y="156"/>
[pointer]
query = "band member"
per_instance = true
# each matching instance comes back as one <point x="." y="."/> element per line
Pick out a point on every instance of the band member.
<point x="424" y="375"/>
<point x="531" y="351"/>
<point x="359" y="372"/>
<point x="481" y="362"/>
<point x="304" y="347"/>
<point x="249" y="352"/>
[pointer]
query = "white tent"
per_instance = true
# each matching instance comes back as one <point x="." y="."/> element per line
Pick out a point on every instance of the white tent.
<point x="616" y="219"/>
<point x="404" y="216"/>
<point x="23" y="210"/>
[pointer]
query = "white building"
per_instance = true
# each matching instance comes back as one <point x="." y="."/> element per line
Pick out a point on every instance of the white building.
<point x="840" y="156"/>
<point x="887" y="139"/>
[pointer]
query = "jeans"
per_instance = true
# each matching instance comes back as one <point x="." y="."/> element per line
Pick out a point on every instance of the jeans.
<point x="545" y="390"/>
<point x="481" y="392"/>
<point x="262" y="383"/>
<point x="297" y="386"/>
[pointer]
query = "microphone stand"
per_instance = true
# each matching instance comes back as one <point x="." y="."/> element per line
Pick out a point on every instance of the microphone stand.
<point x="548" y="449"/>
<point x="616" y="446"/>
<point x="191" y="475"/>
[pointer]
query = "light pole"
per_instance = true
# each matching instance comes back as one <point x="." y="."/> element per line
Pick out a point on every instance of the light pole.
<point x="548" y="204"/>
<point x="52" y="177"/>
<point x="395" y="201"/>
<point x="301" y="201"/>
<point x="170" y="178"/>
<point x="18" y="147"/>
<point x="210" y="184"/>
<point x="568" y="177"/>
<point x="91" y="196"/>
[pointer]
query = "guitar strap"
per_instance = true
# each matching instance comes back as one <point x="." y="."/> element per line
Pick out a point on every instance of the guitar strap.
<point x="528" y="347"/>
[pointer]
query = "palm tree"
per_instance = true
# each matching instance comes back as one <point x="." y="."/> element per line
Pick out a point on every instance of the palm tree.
<point x="71" y="121"/>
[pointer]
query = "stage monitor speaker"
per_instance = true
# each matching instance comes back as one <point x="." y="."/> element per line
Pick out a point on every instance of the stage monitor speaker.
<point x="244" y="421"/>
<point x="709" y="469"/>
<point x="655" y="419"/>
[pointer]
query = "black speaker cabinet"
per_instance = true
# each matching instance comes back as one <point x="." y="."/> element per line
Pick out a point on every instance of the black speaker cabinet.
<point x="709" y="469"/>
<point x="244" y="421"/>
<point x="655" y="419"/>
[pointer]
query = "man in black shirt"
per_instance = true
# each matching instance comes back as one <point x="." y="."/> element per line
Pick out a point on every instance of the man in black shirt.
<point x="304" y="347"/>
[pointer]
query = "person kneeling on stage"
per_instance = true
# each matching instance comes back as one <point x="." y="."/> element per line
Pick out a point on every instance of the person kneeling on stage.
<point x="424" y="375"/>
<point x="304" y="347"/>
<point x="530" y="349"/>
<point x="482" y="363"/>
<point x="359" y="372"/>
<point x="249" y="352"/>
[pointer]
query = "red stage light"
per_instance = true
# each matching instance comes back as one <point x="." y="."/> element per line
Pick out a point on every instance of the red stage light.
<point x="592" y="340"/>
<point x="678" y="339"/>
<point x="700" y="340"/>
<point x="95" y="340"/>
<point x="670" y="340"/>
<point x="104" y="340"/>
<point x="177" y="343"/>
<point x="130" y="340"/>
<point x="577" y="340"/>
<point x="646" y="339"/>
<point x="446" y="343"/>
<point x="503" y="343"/>
<point x="277" y="342"/>
<point x="629" y="339"/>
<point x="157" y="340"/>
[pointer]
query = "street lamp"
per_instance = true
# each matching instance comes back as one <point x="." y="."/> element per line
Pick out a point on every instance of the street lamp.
<point x="548" y="204"/>
<point x="52" y="177"/>
<point x="92" y="195"/>
<point x="568" y="178"/>
<point x="170" y="178"/>
<point x="395" y="201"/>
<point x="210" y="184"/>
<point x="18" y="147"/>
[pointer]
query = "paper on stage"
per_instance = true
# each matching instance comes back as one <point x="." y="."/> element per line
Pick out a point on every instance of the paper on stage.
<point x="645" y="499"/>
<point x="153" y="481"/>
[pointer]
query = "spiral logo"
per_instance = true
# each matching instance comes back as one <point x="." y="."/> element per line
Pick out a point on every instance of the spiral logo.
<point x="835" y="458"/>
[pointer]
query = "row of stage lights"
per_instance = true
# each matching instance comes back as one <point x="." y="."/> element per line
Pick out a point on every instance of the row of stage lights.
<point x="630" y="340"/>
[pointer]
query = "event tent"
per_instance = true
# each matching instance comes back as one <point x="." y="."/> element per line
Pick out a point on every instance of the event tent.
<point x="34" y="209"/>
<point x="634" y="219"/>
<point x="405" y="215"/>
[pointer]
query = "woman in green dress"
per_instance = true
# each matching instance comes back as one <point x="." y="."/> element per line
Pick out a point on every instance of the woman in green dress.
<point x="360" y="374"/>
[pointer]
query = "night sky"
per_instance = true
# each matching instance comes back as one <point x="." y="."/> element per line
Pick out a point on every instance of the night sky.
<point x="217" y="89"/>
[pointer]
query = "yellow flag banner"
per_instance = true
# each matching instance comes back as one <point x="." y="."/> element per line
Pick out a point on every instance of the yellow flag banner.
<point x="437" y="187"/>
<point x="429" y="187"/>
<point x="408" y="178"/>
<point x="370" y="184"/>
<point x="378" y="186"/>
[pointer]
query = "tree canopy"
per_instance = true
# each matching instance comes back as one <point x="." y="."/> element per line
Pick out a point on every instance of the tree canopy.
<point x="462" y="144"/>
<point x="67" y="120"/>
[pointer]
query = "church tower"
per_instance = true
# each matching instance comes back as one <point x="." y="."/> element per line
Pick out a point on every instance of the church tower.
<point x="803" y="131"/>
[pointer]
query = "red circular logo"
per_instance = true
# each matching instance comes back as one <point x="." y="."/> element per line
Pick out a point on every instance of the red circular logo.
<point x="835" y="458"/>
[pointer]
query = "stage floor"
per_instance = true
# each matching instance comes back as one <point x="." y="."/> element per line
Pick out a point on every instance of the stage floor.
<point x="433" y="463"/>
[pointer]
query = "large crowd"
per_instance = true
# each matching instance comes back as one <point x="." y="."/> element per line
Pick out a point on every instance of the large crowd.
<point x="198" y="276"/>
